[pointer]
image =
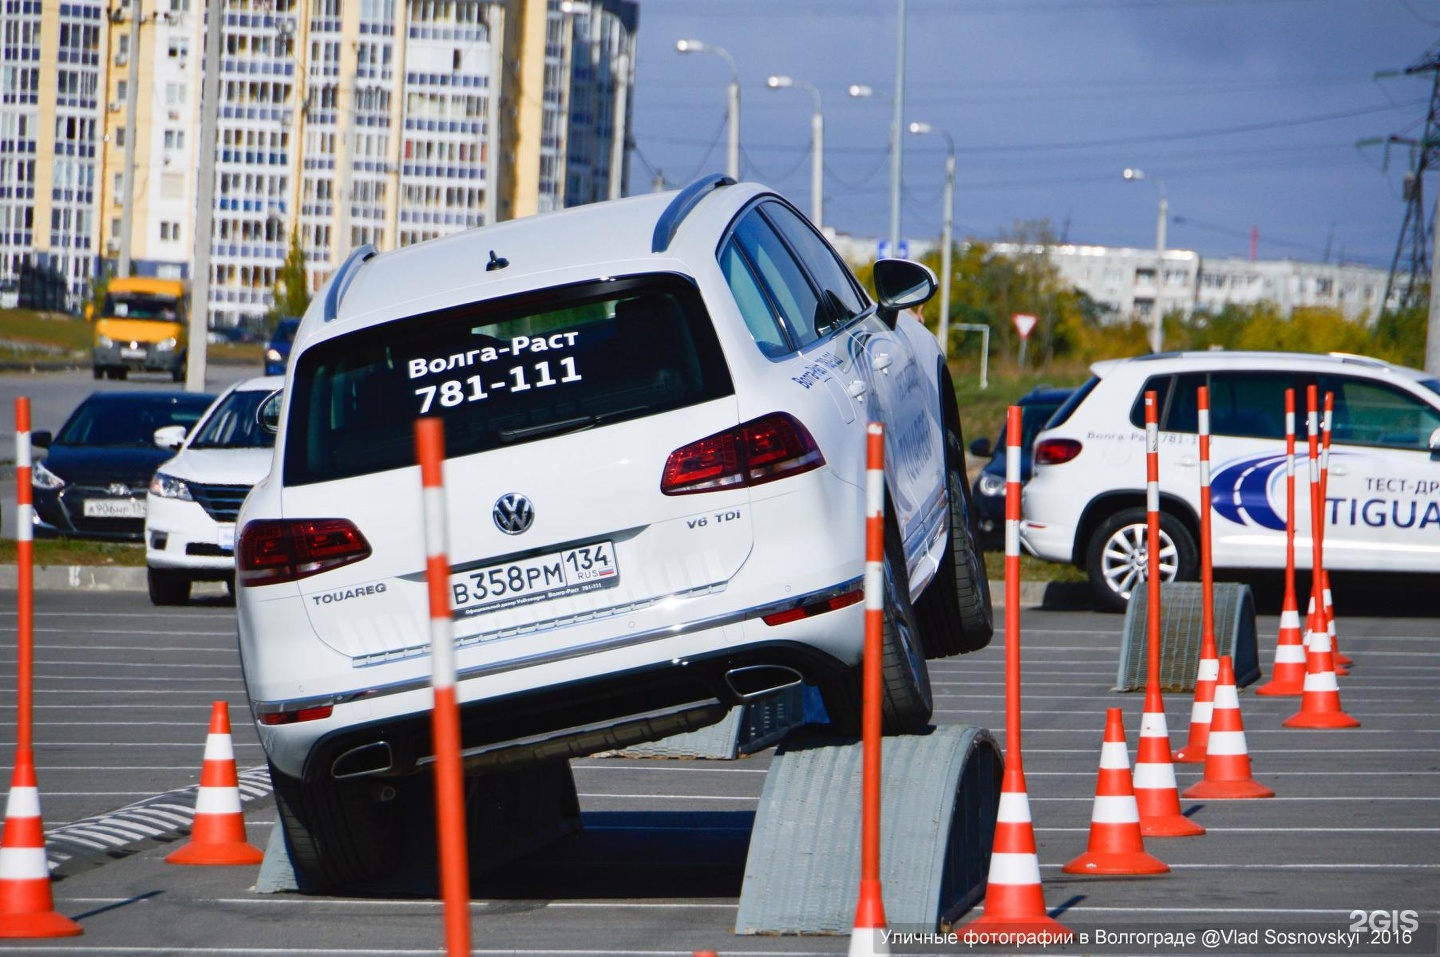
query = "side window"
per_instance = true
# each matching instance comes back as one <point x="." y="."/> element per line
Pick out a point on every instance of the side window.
<point x="836" y="284"/>
<point x="1182" y="412"/>
<point x="1252" y="404"/>
<point x="1371" y="413"/>
<point x="753" y="305"/>
<point x="1160" y="385"/>
<point x="790" y="290"/>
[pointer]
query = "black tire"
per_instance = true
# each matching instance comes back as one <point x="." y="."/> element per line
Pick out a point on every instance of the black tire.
<point x="344" y="833"/>
<point x="167" y="587"/>
<point x="1115" y="557"/>
<point x="954" y="612"/>
<point x="120" y="372"/>
<point x="907" y="702"/>
<point x="98" y="371"/>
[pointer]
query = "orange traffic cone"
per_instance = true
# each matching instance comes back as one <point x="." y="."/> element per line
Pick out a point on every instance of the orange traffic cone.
<point x="1156" y="793"/>
<point x="1014" y="900"/>
<point x="1203" y="708"/>
<point x="1287" y="677"/>
<point x="1314" y="623"/>
<point x="1320" y="702"/>
<point x="1341" y="660"/>
<point x="27" y="908"/>
<point x="1116" y="845"/>
<point x="218" y="834"/>
<point x="1227" y="762"/>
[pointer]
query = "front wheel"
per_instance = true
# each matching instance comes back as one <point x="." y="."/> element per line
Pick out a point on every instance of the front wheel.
<point x="1117" y="557"/>
<point x="167" y="587"/>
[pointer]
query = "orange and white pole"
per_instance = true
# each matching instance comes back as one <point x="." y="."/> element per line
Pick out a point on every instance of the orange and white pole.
<point x="1315" y="620"/>
<point x="867" y="938"/>
<point x="1328" y="600"/>
<point x="25" y="578"/>
<point x="1208" y="671"/>
<point x="445" y="717"/>
<point x="1287" y="676"/>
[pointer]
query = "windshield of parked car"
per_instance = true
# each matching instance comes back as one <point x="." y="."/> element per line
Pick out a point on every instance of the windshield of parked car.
<point x="100" y="421"/>
<point x="233" y="424"/>
<point x="501" y="373"/>
<point x="141" y="306"/>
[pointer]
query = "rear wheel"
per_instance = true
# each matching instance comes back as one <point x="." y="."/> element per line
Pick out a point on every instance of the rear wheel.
<point x="954" y="612"/>
<point x="167" y="587"/>
<point x="98" y="371"/>
<point x="343" y="833"/>
<point x="1117" y="557"/>
<point x="906" y="702"/>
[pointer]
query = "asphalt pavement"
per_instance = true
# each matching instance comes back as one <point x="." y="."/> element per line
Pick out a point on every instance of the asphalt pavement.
<point x="123" y="692"/>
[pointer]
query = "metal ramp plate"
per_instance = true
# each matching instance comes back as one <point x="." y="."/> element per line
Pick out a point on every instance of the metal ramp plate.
<point x="1181" y="610"/>
<point x="939" y="795"/>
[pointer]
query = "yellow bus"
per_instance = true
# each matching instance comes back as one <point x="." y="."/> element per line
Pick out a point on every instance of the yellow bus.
<point x="142" y="326"/>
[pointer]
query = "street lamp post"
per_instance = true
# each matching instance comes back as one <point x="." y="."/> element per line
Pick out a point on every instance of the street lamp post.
<point x="732" y="159"/>
<point x="1157" y="328"/>
<point x="817" y="144"/>
<point x="946" y="233"/>
<point x="895" y="129"/>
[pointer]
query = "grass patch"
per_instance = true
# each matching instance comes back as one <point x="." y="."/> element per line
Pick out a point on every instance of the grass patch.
<point x="75" y="551"/>
<point x="44" y="331"/>
<point x="1032" y="569"/>
<point x="983" y="410"/>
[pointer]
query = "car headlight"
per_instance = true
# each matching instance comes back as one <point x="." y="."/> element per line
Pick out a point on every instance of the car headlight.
<point x="168" y="486"/>
<point x="165" y="345"/>
<point x="104" y="342"/>
<point x="273" y="355"/>
<point x="991" y="484"/>
<point x="41" y="477"/>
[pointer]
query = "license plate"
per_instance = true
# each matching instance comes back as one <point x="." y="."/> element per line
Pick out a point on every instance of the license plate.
<point x="225" y="537"/>
<point x="571" y="571"/>
<point x="114" y="508"/>
<point x="132" y="353"/>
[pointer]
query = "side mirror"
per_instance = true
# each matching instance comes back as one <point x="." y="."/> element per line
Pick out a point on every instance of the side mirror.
<point x="170" y="437"/>
<point x="902" y="284"/>
<point x="980" y="448"/>
<point x="1434" y="443"/>
<point x="268" y="415"/>
<point x="42" y="439"/>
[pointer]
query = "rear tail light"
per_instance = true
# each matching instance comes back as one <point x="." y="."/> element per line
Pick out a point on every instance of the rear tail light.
<point x="762" y="450"/>
<point x="1055" y="451"/>
<point x="272" y="551"/>
<point x="814" y="608"/>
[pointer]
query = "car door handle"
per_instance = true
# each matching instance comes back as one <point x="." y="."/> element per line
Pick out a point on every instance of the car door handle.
<point x="1188" y="461"/>
<point x="880" y="361"/>
<point x="1337" y="469"/>
<point x="857" y="389"/>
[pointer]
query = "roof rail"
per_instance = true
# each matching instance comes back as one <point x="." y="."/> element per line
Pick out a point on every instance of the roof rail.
<point x="687" y="199"/>
<point x="1370" y="361"/>
<point x="343" y="277"/>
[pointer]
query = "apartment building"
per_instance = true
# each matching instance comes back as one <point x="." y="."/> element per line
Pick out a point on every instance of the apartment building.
<point x="342" y="121"/>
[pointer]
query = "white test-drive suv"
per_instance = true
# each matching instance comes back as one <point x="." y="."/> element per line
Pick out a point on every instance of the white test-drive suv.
<point x="194" y="498"/>
<point x="1085" y="503"/>
<point x="655" y="413"/>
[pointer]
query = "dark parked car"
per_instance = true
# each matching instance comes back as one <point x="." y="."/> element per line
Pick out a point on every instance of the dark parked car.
<point x="92" y="484"/>
<point x="277" y="350"/>
<point x="1036" y="406"/>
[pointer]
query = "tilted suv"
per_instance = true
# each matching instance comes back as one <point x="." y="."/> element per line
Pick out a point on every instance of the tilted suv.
<point x="1085" y="503"/>
<point x="655" y="413"/>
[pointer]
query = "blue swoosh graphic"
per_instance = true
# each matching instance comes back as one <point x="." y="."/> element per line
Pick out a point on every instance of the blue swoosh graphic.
<point x="1240" y="491"/>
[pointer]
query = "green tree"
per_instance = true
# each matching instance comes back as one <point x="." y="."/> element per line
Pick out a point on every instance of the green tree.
<point x="292" y="285"/>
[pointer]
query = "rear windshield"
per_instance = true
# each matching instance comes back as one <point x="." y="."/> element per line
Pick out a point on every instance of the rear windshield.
<point x="500" y="373"/>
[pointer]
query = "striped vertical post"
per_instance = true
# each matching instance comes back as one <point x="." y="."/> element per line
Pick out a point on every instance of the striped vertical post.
<point x="1156" y="791"/>
<point x="1314" y="621"/>
<point x="867" y="938"/>
<point x="1287" y="676"/>
<point x="1014" y="898"/>
<point x="1208" y="672"/>
<point x="1328" y="600"/>
<point x="445" y="717"/>
<point x="25" y="576"/>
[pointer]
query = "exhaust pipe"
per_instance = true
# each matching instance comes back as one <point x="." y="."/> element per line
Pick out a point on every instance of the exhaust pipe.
<point x="753" y="682"/>
<point x="374" y="758"/>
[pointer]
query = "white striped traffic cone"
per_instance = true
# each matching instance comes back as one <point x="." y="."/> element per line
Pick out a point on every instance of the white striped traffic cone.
<point x="27" y="908"/>
<point x="1014" y="899"/>
<point x="1320" y="702"/>
<point x="218" y="834"/>
<point x="1227" y="762"/>
<point x="1116" y="845"/>
<point x="1156" y="793"/>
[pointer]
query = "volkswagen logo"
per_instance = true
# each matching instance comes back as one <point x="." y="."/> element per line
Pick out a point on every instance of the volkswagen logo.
<point x="118" y="488"/>
<point x="513" y="513"/>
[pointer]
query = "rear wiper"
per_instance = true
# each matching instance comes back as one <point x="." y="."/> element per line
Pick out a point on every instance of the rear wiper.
<point x="550" y="428"/>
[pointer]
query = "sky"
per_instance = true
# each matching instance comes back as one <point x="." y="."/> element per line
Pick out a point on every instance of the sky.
<point x="1246" y="115"/>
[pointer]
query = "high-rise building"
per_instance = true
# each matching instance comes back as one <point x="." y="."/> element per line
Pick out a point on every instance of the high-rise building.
<point x="342" y="122"/>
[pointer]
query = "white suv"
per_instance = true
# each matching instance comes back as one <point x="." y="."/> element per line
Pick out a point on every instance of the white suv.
<point x="655" y="414"/>
<point x="194" y="498"/>
<point x="1086" y="501"/>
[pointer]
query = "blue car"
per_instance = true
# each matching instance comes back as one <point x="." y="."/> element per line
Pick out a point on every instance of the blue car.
<point x="277" y="350"/>
<point x="988" y="492"/>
